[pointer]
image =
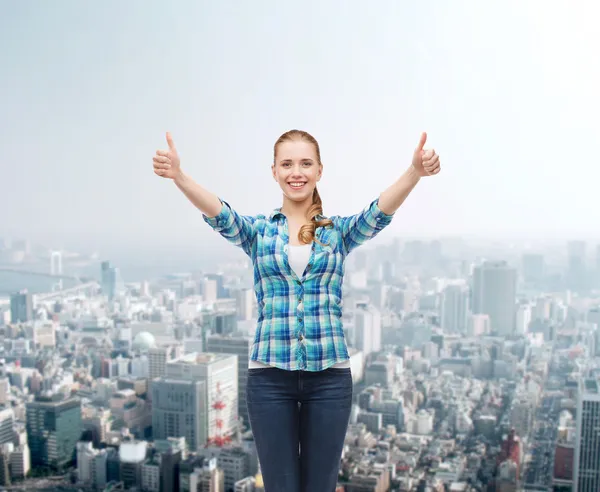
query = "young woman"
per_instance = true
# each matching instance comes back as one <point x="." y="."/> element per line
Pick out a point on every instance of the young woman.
<point x="299" y="389"/>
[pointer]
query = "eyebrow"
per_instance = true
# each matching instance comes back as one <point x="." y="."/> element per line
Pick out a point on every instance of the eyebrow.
<point x="301" y="160"/>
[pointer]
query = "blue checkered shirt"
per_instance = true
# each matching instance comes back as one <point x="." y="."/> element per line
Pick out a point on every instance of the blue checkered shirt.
<point x="299" y="319"/>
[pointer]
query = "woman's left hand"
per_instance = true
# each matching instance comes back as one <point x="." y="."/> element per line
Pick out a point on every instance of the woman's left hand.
<point x="425" y="162"/>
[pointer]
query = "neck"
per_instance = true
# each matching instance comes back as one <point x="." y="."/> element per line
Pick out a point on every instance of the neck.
<point x="296" y="210"/>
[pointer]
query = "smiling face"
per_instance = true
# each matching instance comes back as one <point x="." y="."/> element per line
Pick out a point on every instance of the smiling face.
<point x="297" y="169"/>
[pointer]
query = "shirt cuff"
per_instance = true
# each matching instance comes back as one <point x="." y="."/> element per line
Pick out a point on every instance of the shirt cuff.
<point x="222" y="220"/>
<point x="378" y="214"/>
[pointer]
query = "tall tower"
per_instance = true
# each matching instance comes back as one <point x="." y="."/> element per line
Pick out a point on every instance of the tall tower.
<point x="576" y="268"/>
<point x="495" y="293"/>
<point x="454" y="309"/>
<point x="586" y="473"/>
<point x="56" y="267"/>
<point x="218" y="405"/>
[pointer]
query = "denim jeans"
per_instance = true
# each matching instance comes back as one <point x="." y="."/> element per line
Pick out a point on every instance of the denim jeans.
<point x="299" y="421"/>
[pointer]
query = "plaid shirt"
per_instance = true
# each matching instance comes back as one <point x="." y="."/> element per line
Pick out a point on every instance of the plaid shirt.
<point x="299" y="319"/>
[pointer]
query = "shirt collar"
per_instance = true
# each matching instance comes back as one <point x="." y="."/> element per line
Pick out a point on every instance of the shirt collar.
<point x="276" y="214"/>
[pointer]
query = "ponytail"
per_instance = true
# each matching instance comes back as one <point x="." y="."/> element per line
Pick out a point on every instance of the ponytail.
<point x="306" y="235"/>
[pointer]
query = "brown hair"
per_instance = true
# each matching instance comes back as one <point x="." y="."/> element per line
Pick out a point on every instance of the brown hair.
<point x="306" y="235"/>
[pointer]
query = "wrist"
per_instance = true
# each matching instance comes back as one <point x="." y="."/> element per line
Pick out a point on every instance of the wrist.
<point x="413" y="174"/>
<point x="179" y="177"/>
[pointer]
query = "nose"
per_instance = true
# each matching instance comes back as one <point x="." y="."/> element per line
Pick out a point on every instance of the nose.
<point x="297" y="172"/>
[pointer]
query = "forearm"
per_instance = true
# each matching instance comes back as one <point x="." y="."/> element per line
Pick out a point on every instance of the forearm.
<point x="391" y="199"/>
<point x="205" y="201"/>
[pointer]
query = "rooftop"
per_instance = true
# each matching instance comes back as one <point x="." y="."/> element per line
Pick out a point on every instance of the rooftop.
<point x="591" y="386"/>
<point x="200" y="358"/>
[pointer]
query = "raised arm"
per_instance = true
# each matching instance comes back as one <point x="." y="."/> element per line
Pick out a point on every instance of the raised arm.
<point x="167" y="164"/>
<point x="237" y="229"/>
<point x="424" y="163"/>
<point x="359" y="228"/>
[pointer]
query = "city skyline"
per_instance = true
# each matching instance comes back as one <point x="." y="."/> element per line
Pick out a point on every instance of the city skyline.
<point x="470" y="327"/>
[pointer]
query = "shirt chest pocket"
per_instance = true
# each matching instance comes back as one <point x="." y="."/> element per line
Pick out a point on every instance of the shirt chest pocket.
<point x="328" y="258"/>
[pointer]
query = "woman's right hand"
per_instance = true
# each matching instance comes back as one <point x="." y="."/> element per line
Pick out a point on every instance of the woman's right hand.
<point x="166" y="162"/>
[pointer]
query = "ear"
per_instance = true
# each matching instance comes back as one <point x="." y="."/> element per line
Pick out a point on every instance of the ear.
<point x="320" y="172"/>
<point x="273" y="171"/>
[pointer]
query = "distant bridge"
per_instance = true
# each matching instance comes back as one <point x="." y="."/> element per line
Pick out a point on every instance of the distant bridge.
<point x="46" y="274"/>
<point x="92" y="285"/>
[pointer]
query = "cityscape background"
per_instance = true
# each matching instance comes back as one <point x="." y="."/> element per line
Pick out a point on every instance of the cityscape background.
<point x="473" y="320"/>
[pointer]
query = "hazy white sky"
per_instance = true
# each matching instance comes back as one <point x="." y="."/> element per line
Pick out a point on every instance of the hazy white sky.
<point x="507" y="90"/>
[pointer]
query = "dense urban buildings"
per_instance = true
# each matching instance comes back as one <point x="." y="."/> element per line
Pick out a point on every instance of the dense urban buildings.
<point x="472" y="371"/>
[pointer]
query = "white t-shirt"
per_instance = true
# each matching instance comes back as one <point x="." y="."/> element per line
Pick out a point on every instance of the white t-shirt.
<point x="298" y="257"/>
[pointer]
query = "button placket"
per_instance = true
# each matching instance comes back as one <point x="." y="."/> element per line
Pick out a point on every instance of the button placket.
<point x="300" y="313"/>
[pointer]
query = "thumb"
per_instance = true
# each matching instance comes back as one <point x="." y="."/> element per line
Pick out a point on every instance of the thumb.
<point x="170" y="141"/>
<point x="422" y="141"/>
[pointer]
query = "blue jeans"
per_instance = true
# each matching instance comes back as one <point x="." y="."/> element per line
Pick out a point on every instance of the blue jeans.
<point x="299" y="421"/>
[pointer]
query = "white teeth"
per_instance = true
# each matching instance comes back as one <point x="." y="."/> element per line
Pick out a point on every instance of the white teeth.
<point x="296" y="185"/>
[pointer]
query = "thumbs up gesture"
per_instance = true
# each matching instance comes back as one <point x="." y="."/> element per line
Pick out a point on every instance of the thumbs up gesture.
<point x="166" y="162"/>
<point x="425" y="162"/>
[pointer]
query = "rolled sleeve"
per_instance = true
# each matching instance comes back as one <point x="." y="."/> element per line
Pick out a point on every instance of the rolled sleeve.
<point x="223" y="220"/>
<point x="378" y="216"/>
<point x="237" y="229"/>
<point x="358" y="229"/>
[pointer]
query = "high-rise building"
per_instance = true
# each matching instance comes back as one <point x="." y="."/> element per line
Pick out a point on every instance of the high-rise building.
<point x="219" y="278"/>
<point x="132" y="455"/>
<point x="214" y="377"/>
<point x="235" y="463"/>
<point x="178" y="409"/>
<point x="523" y="319"/>
<point x="7" y="419"/>
<point x="586" y="472"/>
<point x="455" y="309"/>
<point x="367" y="329"/>
<point x="111" y="281"/>
<point x="224" y="322"/>
<point x="158" y="357"/>
<point x="54" y="426"/>
<point x="494" y="294"/>
<point x="244" y="300"/>
<point x="210" y="290"/>
<point x="576" y="268"/>
<point x="21" y="307"/>
<point x="239" y="345"/>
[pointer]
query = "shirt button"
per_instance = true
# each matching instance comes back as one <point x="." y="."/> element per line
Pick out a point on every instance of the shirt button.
<point x="300" y="337"/>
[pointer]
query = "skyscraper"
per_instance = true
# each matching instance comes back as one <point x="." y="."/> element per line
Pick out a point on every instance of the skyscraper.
<point x="179" y="408"/>
<point x="184" y="400"/>
<point x="53" y="428"/>
<point x="586" y="472"/>
<point x="111" y="281"/>
<point x="236" y="344"/>
<point x="454" y="309"/>
<point x="494" y="294"/>
<point x="576" y="268"/>
<point x="21" y="307"/>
